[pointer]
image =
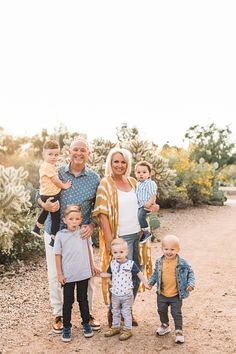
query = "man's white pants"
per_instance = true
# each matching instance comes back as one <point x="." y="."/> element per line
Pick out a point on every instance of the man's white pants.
<point x="55" y="289"/>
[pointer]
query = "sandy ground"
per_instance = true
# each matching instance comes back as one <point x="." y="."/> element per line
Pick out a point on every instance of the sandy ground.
<point x="208" y="242"/>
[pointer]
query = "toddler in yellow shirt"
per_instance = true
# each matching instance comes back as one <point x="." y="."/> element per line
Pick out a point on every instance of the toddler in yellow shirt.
<point x="175" y="280"/>
<point x="50" y="187"/>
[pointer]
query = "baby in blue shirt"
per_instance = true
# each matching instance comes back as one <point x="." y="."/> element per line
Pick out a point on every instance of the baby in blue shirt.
<point x="146" y="193"/>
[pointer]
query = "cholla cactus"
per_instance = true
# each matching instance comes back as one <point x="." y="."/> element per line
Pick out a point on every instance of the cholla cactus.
<point x="14" y="202"/>
<point x="100" y="149"/>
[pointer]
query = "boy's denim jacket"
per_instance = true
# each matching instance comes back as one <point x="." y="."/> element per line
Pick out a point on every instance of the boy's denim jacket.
<point x="184" y="276"/>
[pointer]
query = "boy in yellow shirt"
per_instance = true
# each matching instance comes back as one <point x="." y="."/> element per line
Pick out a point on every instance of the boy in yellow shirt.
<point x="175" y="279"/>
<point x="50" y="187"/>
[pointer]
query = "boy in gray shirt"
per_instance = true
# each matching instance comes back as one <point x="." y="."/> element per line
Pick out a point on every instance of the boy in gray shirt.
<point x="74" y="261"/>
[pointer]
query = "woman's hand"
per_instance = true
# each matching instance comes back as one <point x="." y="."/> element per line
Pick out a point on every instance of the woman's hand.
<point x="104" y="223"/>
<point x="95" y="271"/>
<point x="108" y="245"/>
<point x="154" y="208"/>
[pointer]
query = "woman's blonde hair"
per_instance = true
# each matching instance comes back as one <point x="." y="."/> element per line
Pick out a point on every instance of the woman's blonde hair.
<point x="127" y="156"/>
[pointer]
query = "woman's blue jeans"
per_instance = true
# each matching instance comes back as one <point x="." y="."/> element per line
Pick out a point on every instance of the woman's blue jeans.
<point x="133" y="241"/>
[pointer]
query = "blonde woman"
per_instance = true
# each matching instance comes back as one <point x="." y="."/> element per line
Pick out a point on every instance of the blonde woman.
<point x="116" y="208"/>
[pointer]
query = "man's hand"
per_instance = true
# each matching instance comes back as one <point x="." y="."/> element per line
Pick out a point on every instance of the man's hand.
<point x="86" y="231"/>
<point x="50" y="206"/>
<point x="147" y="285"/>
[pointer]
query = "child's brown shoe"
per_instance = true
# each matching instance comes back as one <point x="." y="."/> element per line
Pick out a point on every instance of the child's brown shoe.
<point x="112" y="332"/>
<point x="57" y="325"/>
<point x="126" y="334"/>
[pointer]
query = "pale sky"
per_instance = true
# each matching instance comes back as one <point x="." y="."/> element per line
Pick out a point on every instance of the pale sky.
<point x="161" y="66"/>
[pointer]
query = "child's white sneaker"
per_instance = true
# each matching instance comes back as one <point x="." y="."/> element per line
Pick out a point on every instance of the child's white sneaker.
<point x="179" y="337"/>
<point x="163" y="329"/>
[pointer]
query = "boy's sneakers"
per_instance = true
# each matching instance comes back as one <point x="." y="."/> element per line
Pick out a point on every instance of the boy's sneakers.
<point x="57" y="325"/>
<point x="146" y="235"/>
<point x="179" y="337"/>
<point x="36" y="231"/>
<point x="88" y="332"/>
<point x="51" y="243"/>
<point x="163" y="329"/>
<point x="66" y="334"/>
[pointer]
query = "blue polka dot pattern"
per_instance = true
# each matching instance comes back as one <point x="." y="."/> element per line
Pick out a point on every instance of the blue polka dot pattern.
<point x="82" y="193"/>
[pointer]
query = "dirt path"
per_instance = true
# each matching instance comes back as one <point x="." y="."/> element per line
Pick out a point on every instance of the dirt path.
<point x="208" y="240"/>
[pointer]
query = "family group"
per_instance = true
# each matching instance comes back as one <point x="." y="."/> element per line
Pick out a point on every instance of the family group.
<point x="74" y="201"/>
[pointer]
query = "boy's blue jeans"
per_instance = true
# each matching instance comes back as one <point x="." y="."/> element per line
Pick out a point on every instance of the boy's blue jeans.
<point x="142" y="214"/>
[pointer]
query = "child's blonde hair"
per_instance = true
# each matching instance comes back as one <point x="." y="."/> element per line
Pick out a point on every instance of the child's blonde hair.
<point x="72" y="208"/>
<point x="119" y="242"/>
<point x="144" y="163"/>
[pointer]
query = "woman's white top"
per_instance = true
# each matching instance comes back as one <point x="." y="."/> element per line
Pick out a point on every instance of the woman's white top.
<point x="127" y="213"/>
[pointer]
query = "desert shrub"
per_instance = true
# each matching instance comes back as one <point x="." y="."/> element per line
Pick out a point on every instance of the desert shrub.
<point x="177" y="198"/>
<point x="199" y="183"/>
<point x="196" y="183"/>
<point x="227" y="175"/>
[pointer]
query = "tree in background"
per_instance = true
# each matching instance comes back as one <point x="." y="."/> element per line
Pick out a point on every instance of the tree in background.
<point x="10" y="146"/>
<point x="125" y="133"/>
<point x="212" y="144"/>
